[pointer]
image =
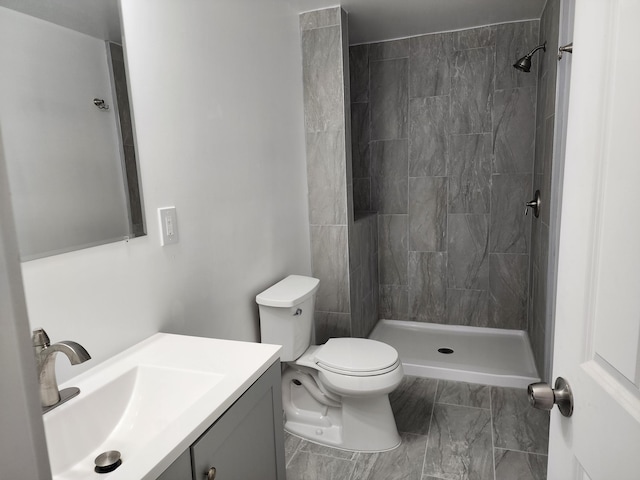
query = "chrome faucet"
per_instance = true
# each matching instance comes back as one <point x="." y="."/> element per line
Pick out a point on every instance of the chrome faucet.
<point x="50" y="396"/>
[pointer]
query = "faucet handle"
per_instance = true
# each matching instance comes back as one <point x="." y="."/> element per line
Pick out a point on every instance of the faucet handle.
<point x="40" y="338"/>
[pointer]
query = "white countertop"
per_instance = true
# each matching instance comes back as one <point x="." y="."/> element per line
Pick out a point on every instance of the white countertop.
<point x="223" y="370"/>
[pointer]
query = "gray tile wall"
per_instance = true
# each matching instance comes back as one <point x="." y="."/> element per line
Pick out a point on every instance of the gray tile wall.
<point x="344" y="249"/>
<point x="443" y="149"/>
<point x="328" y="167"/>
<point x="545" y="120"/>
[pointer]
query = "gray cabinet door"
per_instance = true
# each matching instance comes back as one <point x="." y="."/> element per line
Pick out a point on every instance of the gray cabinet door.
<point x="247" y="442"/>
<point x="180" y="469"/>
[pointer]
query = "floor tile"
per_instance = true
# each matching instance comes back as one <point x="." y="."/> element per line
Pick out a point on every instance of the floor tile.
<point x="309" y="466"/>
<point x="516" y="424"/>
<point x="317" y="449"/>
<point x="403" y="463"/>
<point x="464" y="394"/>
<point x="460" y="444"/>
<point x="519" y="465"/>
<point x="412" y="403"/>
<point x="291" y="444"/>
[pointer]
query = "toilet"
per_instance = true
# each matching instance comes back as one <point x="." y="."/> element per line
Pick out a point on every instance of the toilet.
<point x="336" y="394"/>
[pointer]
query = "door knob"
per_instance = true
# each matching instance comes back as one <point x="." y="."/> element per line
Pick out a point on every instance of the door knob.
<point x="211" y="474"/>
<point x="533" y="205"/>
<point x="542" y="396"/>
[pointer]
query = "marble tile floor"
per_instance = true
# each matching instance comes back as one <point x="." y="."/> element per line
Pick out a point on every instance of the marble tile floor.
<point x="450" y="431"/>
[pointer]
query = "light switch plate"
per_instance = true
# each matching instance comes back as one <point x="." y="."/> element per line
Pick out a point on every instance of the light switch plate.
<point x="168" y="225"/>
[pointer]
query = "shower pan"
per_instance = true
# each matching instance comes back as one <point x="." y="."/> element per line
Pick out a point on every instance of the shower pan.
<point x="490" y="356"/>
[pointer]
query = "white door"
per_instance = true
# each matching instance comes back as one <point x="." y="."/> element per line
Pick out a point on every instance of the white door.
<point x="597" y="331"/>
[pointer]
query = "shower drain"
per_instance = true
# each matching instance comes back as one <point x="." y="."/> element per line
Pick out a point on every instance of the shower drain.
<point x="445" y="350"/>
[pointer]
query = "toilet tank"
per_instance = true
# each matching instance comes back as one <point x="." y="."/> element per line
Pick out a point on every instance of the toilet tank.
<point x="286" y="314"/>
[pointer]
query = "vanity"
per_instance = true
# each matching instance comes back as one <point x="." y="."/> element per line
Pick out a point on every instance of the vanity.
<point x="176" y="408"/>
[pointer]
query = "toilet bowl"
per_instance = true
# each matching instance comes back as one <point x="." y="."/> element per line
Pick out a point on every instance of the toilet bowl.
<point x="336" y="394"/>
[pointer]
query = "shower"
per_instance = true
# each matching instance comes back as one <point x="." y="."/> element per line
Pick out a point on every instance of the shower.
<point x="524" y="64"/>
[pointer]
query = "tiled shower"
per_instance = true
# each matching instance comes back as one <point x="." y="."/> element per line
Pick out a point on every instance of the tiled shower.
<point x="426" y="219"/>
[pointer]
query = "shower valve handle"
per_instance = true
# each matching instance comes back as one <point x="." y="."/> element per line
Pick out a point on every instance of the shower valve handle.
<point x="534" y="205"/>
<point x="543" y="397"/>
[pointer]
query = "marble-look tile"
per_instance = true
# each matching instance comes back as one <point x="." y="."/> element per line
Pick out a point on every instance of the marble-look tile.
<point x="389" y="194"/>
<point x="514" y="118"/>
<point x="430" y="64"/>
<point x="459" y="445"/>
<point x="549" y="32"/>
<point x="393" y="302"/>
<point x="323" y="79"/>
<point x="390" y="49"/>
<point x="369" y="314"/>
<point x="402" y="463"/>
<point x="472" y="91"/>
<point x="475" y="38"/>
<point x="389" y="182"/>
<point x="537" y="325"/>
<point x="545" y="191"/>
<point x="360" y="153"/>
<point x="520" y="466"/>
<point x="508" y="290"/>
<point x="392" y="249"/>
<point x="468" y="307"/>
<point x="389" y="98"/>
<point x="513" y="41"/>
<point x="326" y="178"/>
<point x="510" y="227"/>
<point x="317" y="449"/>
<point x="428" y="287"/>
<point x="428" y="214"/>
<point x="516" y="424"/>
<point x="539" y="150"/>
<point x="320" y="18"/>
<point x="329" y="250"/>
<point x="362" y="194"/>
<point x="470" y="173"/>
<point x="309" y="466"/>
<point x="389" y="158"/>
<point x="428" y="132"/>
<point x="412" y="404"/>
<point x="331" y="325"/>
<point x="291" y="444"/>
<point x="468" y="247"/>
<point x="463" y="394"/>
<point x="359" y="73"/>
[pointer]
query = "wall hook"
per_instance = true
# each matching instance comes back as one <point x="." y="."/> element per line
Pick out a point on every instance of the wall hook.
<point x="98" y="102"/>
<point x="567" y="48"/>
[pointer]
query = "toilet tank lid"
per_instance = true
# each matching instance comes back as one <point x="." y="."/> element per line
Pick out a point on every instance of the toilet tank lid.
<point x="288" y="292"/>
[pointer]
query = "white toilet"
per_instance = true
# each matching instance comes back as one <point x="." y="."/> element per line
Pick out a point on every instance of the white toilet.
<point x="336" y="394"/>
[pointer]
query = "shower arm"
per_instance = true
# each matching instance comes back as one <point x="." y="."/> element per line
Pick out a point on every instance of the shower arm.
<point x="542" y="46"/>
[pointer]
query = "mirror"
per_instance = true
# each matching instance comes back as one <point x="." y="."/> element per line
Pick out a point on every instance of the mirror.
<point x="66" y="126"/>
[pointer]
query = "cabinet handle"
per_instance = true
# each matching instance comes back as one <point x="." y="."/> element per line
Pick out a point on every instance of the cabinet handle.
<point x="211" y="474"/>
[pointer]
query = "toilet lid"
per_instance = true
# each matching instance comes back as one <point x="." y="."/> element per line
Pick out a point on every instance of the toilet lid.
<point x="356" y="356"/>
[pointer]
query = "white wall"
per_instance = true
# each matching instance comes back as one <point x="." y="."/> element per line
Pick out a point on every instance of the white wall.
<point x="59" y="147"/>
<point x="217" y="101"/>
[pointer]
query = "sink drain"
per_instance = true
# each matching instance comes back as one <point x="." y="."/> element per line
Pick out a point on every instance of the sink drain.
<point x="108" y="461"/>
<point x="446" y="351"/>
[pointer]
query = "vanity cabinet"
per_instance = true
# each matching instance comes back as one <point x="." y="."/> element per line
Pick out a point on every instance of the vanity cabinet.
<point x="245" y="443"/>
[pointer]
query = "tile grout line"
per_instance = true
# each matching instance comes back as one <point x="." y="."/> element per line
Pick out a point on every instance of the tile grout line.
<point x="493" y="442"/>
<point x="426" y="447"/>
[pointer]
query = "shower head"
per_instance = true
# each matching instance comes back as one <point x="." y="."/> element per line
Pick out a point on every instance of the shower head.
<point x="524" y="64"/>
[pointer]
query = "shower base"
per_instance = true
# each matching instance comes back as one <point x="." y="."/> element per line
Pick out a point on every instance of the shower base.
<point x="488" y="356"/>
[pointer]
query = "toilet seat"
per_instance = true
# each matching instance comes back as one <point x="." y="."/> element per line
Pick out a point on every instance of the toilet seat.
<point x="359" y="357"/>
<point x="354" y="367"/>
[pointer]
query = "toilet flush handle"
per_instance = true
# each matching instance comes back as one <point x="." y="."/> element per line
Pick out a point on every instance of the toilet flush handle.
<point x="298" y="312"/>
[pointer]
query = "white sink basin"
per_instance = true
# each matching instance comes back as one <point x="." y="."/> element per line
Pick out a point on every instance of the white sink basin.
<point x="150" y="403"/>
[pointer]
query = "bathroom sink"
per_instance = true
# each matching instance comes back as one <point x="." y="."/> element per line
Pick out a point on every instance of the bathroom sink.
<point x="150" y="403"/>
